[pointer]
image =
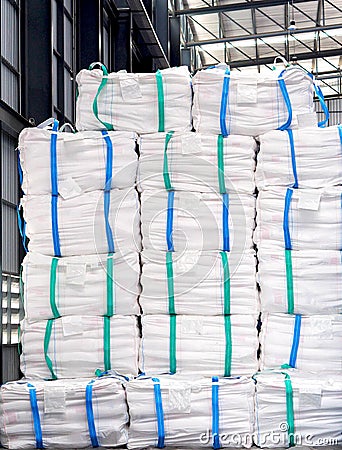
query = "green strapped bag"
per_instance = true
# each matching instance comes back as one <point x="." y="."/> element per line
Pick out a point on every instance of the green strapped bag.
<point x="107" y="125"/>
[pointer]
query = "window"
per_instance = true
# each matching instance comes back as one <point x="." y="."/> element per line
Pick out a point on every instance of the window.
<point x="10" y="73"/>
<point x="63" y="59"/>
<point x="10" y="240"/>
<point x="107" y="35"/>
<point x="105" y="39"/>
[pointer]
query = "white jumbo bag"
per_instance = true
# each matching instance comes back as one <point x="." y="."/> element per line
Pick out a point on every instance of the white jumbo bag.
<point x="299" y="219"/>
<point x="82" y="161"/>
<point x="197" y="162"/>
<point x="180" y="220"/>
<point x="308" y="158"/>
<point x="76" y="346"/>
<point x="198" y="283"/>
<point x="191" y="412"/>
<point x="83" y="225"/>
<point x="235" y="103"/>
<point x="142" y="103"/>
<point x="309" y="343"/>
<point x="298" y="408"/>
<point x="316" y="281"/>
<point x="201" y="345"/>
<point x="92" y="285"/>
<point x="78" y="413"/>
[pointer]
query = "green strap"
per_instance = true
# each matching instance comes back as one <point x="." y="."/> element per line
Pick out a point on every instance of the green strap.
<point x="19" y="340"/>
<point x="220" y="165"/>
<point x="226" y="282"/>
<point x="170" y="283"/>
<point x="289" y="282"/>
<point x="172" y="311"/>
<point x="173" y="360"/>
<point x="110" y="285"/>
<point x="47" y="338"/>
<point x="53" y="278"/>
<point x="227" y="321"/>
<point x="107" y="125"/>
<point x="106" y="343"/>
<point x="21" y="287"/>
<point x="166" y="175"/>
<point x="161" y="105"/>
<point x="289" y="410"/>
<point x="228" y="352"/>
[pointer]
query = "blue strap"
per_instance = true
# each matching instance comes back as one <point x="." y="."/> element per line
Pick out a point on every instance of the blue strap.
<point x="225" y="222"/>
<point x="169" y="221"/>
<point x="54" y="189"/>
<point x="295" y="342"/>
<point x="293" y="158"/>
<point x="22" y="229"/>
<point x="160" y="412"/>
<point x="90" y="414"/>
<point x="20" y="170"/>
<point x="36" y="417"/>
<point x="224" y="103"/>
<point x="283" y="90"/>
<point x="287" y="237"/>
<point x="340" y="133"/>
<point x="108" y="186"/>
<point x="320" y="96"/>
<point x="215" y="412"/>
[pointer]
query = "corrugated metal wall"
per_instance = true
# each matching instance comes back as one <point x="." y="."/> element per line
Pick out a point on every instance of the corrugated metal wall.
<point x="9" y="180"/>
<point x="335" y="109"/>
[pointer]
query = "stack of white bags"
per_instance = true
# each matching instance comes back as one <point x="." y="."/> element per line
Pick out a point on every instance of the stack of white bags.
<point x="299" y="241"/>
<point x="198" y="261"/>
<point x="86" y="222"/>
<point x="172" y="237"/>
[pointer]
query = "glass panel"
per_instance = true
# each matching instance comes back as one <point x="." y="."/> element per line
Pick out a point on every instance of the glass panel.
<point x="54" y="24"/>
<point x="68" y="44"/>
<point x="55" y="82"/>
<point x="105" y="47"/>
<point x="9" y="169"/>
<point x="68" y="96"/>
<point x="9" y="87"/>
<point x="68" y="6"/>
<point x="10" y="239"/>
<point x="9" y="33"/>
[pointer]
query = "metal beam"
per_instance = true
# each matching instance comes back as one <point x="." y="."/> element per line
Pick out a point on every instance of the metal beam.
<point x="300" y="56"/>
<point x="143" y="22"/>
<point x="262" y="35"/>
<point x="234" y="7"/>
<point x="123" y="40"/>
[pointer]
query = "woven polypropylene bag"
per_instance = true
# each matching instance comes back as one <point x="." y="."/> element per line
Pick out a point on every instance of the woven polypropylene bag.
<point x="316" y="414"/>
<point x="135" y="102"/>
<point x="196" y="161"/>
<point x="81" y="223"/>
<point x="81" y="161"/>
<point x="187" y="408"/>
<point x="309" y="343"/>
<point x="309" y="268"/>
<point x="92" y="285"/>
<point x="201" y="282"/>
<point x="63" y="413"/>
<point x="255" y="103"/>
<point x="311" y="218"/>
<point x="314" y="159"/>
<point x="76" y="346"/>
<point x="202" y="344"/>
<point x="198" y="222"/>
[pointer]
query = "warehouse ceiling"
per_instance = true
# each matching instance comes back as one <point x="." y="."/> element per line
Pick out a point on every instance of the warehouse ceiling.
<point x="249" y="34"/>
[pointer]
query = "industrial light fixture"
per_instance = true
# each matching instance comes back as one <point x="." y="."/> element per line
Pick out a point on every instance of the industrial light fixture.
<point x="292" y="26"/>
